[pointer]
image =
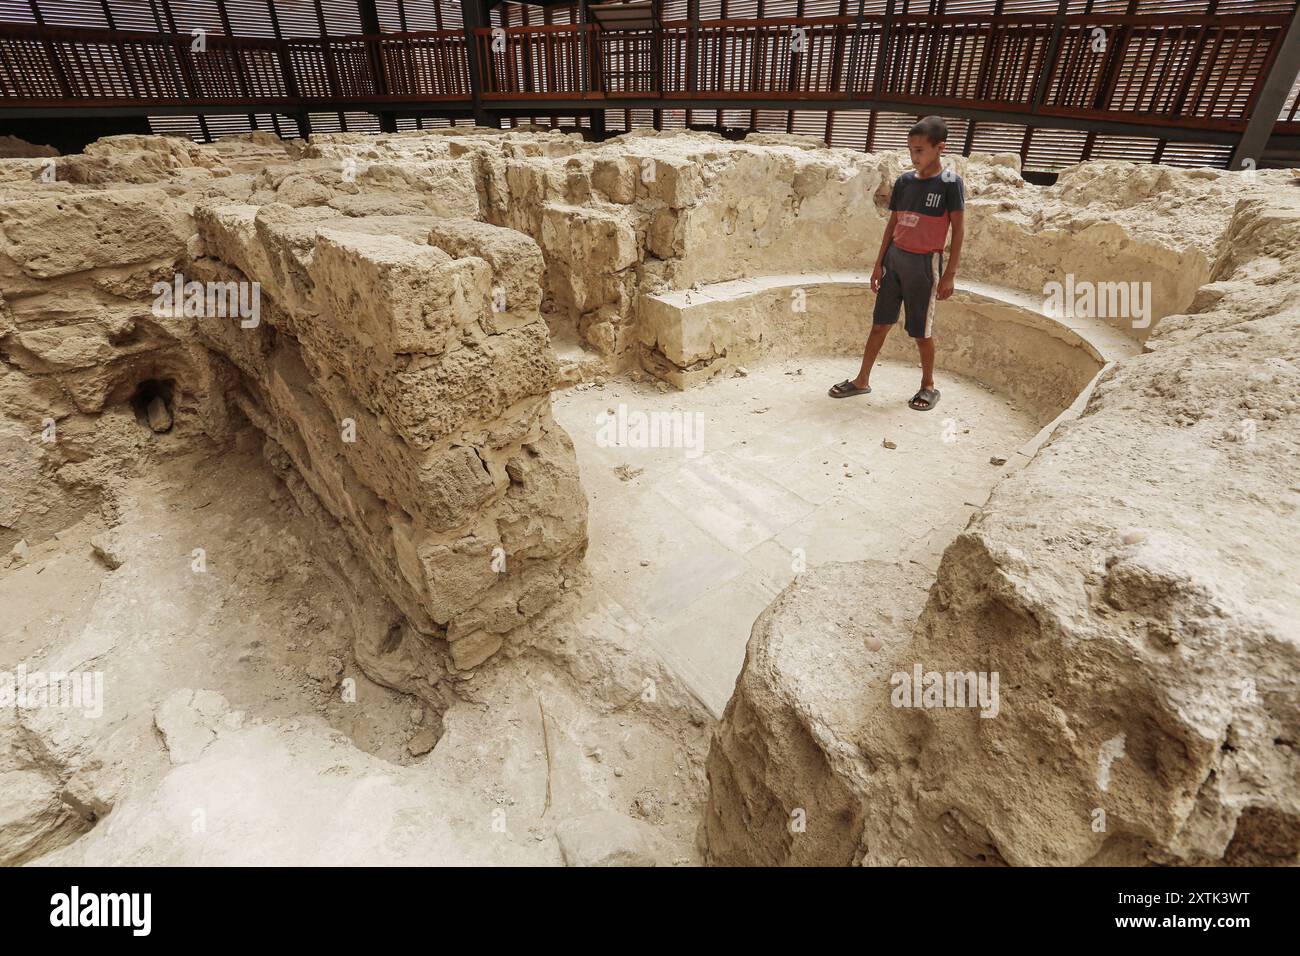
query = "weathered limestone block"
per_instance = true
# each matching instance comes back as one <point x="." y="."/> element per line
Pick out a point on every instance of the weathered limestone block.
<point x="403" y="299"/>
<point x="23" y="172"/>
<point x="760" y="209"/>
<point x="66" y="232"/>
<point x="805" y="755"/>
<point x="447" y="188"/>
<point x="415" y="413"/>
<point x="471" y="651"/>
<point x="489" y="170"/>
<point x="318" y="187"/>
<point x="693" y="327"/>
<point x="95" y="332"/>
<point x="577" y="181"/>
<point x="452" y="486"/>
<point x="1106" y="222"/>
<point x="670" y="180"/>
<point x="134" y="158"/>
<point x="606" y="331"/>
<point x="228" y="232"/>
<point x="61" y="349"/>
<point x="537" y="517"/>
<point x="364" y="179"/>
<point x="529" y="186"/>
<point x="589" y="247"/>
<point x="255" y="240"/>
<point x="1028" y="257"/>
<point x="393" y="499"/>
<point x="515" y="260"/>
<point x="468" y="384"/>
<point x="616" y="178"/>
<point x="287" y="239"/>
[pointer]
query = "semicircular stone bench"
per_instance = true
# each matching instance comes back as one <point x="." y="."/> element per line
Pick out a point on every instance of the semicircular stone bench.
<point x="1002" y="338"/>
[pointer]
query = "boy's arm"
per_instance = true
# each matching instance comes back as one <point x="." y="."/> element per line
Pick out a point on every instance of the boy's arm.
<point x="947" y="281"/>
<point x="878" y="271"/>
<point x="886" y="239"/>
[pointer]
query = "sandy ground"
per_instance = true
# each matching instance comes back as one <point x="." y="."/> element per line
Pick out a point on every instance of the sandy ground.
<point x="259" y="624"/>
<point x="690" y="543"/>
<point x="287" y="768"/>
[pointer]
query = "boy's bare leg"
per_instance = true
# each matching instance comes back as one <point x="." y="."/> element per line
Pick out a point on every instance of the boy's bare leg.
<point x="926" y="348"/>
<point x="875" y="342"/>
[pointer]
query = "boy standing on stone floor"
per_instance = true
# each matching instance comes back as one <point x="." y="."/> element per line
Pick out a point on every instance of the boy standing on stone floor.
<point x="910" y="270"/>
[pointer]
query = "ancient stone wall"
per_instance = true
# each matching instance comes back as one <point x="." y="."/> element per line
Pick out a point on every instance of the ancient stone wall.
<point x="417" y="412"/>
<point x="78" y="338"/>
<point x="645" y="214"/>
<point x="1131" y="588"/>
<point x="387" y="343"/>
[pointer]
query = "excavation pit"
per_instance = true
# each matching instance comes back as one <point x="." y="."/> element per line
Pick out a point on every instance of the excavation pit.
<point x="521" y="529"/>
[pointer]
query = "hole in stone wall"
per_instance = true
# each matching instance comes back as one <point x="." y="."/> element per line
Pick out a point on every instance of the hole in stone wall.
<point x="152" y="403"/>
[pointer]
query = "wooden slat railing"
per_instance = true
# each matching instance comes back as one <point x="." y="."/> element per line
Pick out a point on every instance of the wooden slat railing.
<point x="773" y="58"/>
<point x="535" y="62"/>
<point x="996" y="60"/>
<point x="631" y="62"/>
<point x="1188" y="71"/>
<point x="1179" y="70"/>
<point x="54" y="66"/>
<point x="424" y="66"/>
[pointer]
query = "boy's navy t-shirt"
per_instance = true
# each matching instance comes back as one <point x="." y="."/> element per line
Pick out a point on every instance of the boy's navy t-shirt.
<point x="924" y="208"/>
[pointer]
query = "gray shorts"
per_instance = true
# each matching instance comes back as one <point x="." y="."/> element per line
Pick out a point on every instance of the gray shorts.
<point x="911" y="281"/>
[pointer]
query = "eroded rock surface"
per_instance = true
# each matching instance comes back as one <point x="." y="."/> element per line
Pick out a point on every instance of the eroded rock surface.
<point x="415" y="409"/>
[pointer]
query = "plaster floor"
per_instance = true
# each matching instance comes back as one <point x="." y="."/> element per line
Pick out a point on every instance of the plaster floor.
<point x="688" y="544"/>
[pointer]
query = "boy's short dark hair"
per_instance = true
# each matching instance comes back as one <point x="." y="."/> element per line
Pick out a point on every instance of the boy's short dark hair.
<point x="932" y="128"/>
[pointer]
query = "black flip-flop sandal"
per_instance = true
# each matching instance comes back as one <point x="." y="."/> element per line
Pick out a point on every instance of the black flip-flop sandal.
<point x="930" y="396"/>
<point x="846" y="389"/>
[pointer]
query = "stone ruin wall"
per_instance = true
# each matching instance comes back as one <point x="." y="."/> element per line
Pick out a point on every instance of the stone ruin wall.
<point x="646" y="213"/>
<point x="380" y="260"/>
<point x="1134" y="588"/>
<point x="401" y="404"/>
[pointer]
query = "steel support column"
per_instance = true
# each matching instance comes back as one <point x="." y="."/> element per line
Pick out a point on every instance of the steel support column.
<point x="1271" y="97"/>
